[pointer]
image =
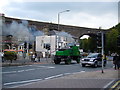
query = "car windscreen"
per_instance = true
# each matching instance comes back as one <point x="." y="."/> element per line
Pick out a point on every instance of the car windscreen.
<point x="92" y="55"/>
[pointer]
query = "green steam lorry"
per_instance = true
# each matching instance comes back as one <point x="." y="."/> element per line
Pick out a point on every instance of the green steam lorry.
<point x="67" y="55"/>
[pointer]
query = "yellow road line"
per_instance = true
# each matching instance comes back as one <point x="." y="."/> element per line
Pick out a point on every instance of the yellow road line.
<point x="115" y="84"/>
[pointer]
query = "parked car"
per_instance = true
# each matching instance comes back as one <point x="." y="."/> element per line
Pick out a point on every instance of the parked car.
<point x="93" y="59"/>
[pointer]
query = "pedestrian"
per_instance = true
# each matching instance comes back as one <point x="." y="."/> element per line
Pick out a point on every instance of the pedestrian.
<point x="33" y="57"/>
<point x="116" y="61"/>
<point x="24" y="55"/>
<point x="38" y="56"/>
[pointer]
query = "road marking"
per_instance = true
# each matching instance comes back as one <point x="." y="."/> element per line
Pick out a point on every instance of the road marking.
<point x="78" y="72"/>
<point x="53" y="76"/>
<point x="67" y="73"/>
<point x="21" y="71"/>
<point x="48" y="67"/>
<point x="115" y="84"/>
<point x="106" y="86"/>
<point x="45" y="66"/>
<point x="82" y="71"/>
<point x="20" y="66"/>
<point x="22" y="82"/>
<point x="9" y="72"/>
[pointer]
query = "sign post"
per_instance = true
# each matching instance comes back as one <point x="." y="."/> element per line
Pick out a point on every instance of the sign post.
<point x="102" y="34"/>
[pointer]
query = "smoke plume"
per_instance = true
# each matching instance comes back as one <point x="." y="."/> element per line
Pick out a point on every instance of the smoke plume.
<point x="21" y="31"/>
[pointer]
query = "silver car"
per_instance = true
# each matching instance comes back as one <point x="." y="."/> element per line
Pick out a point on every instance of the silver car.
<point x="93" y="59"/>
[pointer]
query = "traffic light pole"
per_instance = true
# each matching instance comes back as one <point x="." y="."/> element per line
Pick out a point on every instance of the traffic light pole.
<point x="102" y="34"/>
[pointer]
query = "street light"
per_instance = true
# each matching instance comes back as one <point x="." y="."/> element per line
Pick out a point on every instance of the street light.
<point x="59" y="22"/>
<point x="59" y="16"/>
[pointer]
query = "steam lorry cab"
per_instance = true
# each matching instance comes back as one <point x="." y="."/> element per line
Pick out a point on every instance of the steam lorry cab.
<point x="67" y="55"/>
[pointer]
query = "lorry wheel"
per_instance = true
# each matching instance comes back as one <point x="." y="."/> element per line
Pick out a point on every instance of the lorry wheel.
<point x="67" y="62"/>
<point x="56" y="61"/>
<point x="83" y="65"/>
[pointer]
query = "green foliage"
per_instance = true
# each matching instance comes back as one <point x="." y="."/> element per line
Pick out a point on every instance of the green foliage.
<point x="92" y="44"/>
<point x="88" y="44"/>
<point x="84" y="44"/>
<point x="111" y="39"/>
<point x="8" y="55"/>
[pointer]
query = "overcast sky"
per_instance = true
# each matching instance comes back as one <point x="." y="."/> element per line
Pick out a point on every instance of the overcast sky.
<point x="90" y="13"/>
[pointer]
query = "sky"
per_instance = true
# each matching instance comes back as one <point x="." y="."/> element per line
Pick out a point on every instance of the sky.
<point x="83" y="13"/>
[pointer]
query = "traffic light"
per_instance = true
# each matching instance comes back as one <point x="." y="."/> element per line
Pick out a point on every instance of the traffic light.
<point x="30" y="46"/>
<point x="118" y="41"/>
<point x="99" y="40"/>
<point x="25" y="45"/>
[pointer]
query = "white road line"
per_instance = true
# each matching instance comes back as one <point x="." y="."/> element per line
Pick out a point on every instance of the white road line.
<point x="29" y="69"/>
<point x="40" y="66"/>
<point x="21" y="71"/>
<point x="22" y="82"/>
<point x="45" y="66"/>
<point x="51" y="67"/>
<point x="78" y="72"/>
<point x="20" y="66"/>
<point x="106" y="86"/>
<point x="9" y="72"/>
<point x="82" y="71"/>
<point x="53" y="76"/>
<point x="67" y="73"/>
<point x="48" y="67"/>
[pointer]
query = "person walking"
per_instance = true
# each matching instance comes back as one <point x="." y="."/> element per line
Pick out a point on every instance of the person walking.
<point x="38" y="56"/>
<point x="33" y="57"/>
<point x="24" y="55"/>
<point x="116" y="61"/>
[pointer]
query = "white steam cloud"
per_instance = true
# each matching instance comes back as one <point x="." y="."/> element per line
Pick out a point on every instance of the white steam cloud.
<point x="21" y="31"/>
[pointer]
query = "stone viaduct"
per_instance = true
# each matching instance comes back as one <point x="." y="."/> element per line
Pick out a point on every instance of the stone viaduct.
<point x="75" y="31"/>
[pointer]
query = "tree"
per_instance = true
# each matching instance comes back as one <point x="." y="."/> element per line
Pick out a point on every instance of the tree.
<point x="92" y="44"/>
<point x="111" y="40"/>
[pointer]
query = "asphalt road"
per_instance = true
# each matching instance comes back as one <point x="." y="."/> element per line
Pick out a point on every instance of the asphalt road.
<point x="17" y="75"/>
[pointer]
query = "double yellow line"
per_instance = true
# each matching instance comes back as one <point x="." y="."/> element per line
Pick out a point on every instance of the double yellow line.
<point x="116" y="86"/>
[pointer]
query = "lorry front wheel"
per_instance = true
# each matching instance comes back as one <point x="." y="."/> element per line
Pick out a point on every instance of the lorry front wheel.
<point x="57" y="61"/>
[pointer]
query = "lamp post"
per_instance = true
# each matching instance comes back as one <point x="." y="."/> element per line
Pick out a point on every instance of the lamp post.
<point x="59" y="22"/>
<point x="59" y="16"/>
